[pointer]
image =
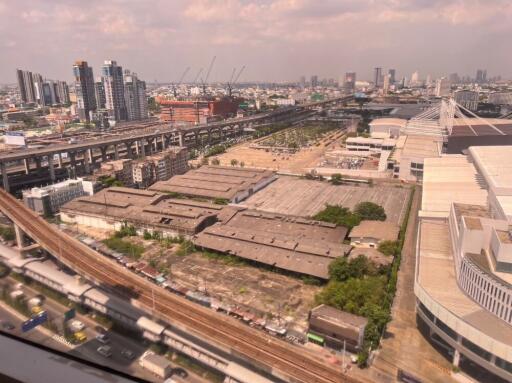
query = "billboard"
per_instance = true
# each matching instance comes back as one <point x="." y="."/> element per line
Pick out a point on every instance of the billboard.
<point x="15" y="137"/>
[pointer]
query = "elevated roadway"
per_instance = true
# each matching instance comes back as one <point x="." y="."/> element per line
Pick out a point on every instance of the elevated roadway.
<point x="278" y="358"/>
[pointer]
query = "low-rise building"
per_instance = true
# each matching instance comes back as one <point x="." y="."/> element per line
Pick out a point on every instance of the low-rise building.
<point x="371" y="233"/>
<point x="367" y="144"/>
<point x="232" y="184"/>
<point x="335" y="328"/>
<point x="122" y="170"/>
<point x="48" y="200"/>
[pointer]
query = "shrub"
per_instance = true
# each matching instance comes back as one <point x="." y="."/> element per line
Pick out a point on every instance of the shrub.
<point x="339" y="215"/>
<point x="370" y="211"/>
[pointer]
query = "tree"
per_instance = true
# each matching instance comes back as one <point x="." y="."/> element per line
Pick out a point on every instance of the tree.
<point x="336" y="179"/>
<point x="342" y="268"/>
<point x="242" y="164"/>
<point x="339" y="215"/>
<point x="216" y="161"/>
<point x="234" y="162"/>
<point x="370" y="211"/>
<point x="390" y="248"/>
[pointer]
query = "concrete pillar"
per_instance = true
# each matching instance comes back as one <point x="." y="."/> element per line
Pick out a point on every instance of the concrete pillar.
<point x="180" y="138"/>
<point x="103" y="150"/>
<point x="155" y="141"/>
<point x="456" y="358"/>
<point x="87" y="167"/>
<point x="91" y="157"/>
<point x="20" y="237"/>
<point x="142" y="148"/>
<point x="26" y="162"/>
<point x="72" y="159"/>
<point x="60" y="160"/>
<point x="5" y="176"/>
<point x="116" y="151"/>
<point x="129" y="151"/>
<point x="164" y="143"/>
<point x="38" y="162"/>
<point x="150" y="145"/>
<point x="51" y="168"/>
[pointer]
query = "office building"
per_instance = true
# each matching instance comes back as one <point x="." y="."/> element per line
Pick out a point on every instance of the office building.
<point x="454" y="78"/>
<point x="62" y="92"/>
<point x="314" y="81"/>
<point x="99" y="92"/>
<point x="25" y="85"/>
<point x="135" y="97"/>
<point x="377" y="75"/>
<point x="84" y="89"/>
<point x="114" y="90"/>
<point x="302" y="82"/>
<point x="415" y="79"/>
<point x="481" y="76"/>
<point x="38" y="88"/>
<point x="48" y="200"/>
<point x="385" y="86"/>
<point x="467" y="98"/>
<point x="392" y="76"/>
<point x="350" y="81"/>
<point x="443" y="87"/>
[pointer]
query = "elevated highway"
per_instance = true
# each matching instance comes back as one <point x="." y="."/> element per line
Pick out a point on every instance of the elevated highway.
<point x="273" y="356"/>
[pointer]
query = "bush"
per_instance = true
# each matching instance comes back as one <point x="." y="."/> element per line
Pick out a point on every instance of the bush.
<point x="126" y="231"/>
<point x="342" y="268"/>
<point x="390" y="248"/>
<point x="221" y="201"/>
<point x="186" y="247"/>
<point x="215" y="161"/>
<point x="132" y="250"/>
<point x="7" y="233"/>
<point x="370" y="211"/>
<point x="336" y="179"/>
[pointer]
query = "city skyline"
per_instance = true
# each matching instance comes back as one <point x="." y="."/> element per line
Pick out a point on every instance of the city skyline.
<point x="334" y="38"/>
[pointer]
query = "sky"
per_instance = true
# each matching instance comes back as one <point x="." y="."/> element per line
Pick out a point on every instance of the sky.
<point x="277" y="40"/>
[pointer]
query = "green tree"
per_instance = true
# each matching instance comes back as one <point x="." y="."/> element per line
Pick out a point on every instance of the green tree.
<point x="370" y="211"/>
<point x="216" y="161"/>
<point x="339" y="215"/>
<point x="234" y="162"/>
<point x="336" y="179"/>
<point x="343" y="268"/>
<point x="390" y="248"/>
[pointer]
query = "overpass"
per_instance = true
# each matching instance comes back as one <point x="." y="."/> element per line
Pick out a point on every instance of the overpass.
<point x="149" y="139"/>
<point x="268" y="354"/>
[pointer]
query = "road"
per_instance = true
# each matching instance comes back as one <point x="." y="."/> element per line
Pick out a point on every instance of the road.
<point x="88" y="349"/>
<point x="291" y="362"/>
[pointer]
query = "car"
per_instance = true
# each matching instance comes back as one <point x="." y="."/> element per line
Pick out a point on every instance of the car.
<point x="80" y="336"/>
<point x="100" y="330"/>
<point x="8" y="326"/>
<point x="106" y="351"/>
<point x="77" y="325"/>
<point x="103" y="338"/>
<point x="179" y="372"/>
<point x="36" y="310"/>
<point x="128" y="354"/>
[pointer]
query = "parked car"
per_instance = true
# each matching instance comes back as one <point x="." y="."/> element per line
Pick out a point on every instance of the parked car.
<point x="77" y="325"/>
<point x="8" y="326"/>
<point x="128" y="354"/>
<point x="80" y="336"/>
<point x="103" y="338"/>
<point x="100" y="330"/>
<point x="106" y="351"/>
<point x="179" y="372"/>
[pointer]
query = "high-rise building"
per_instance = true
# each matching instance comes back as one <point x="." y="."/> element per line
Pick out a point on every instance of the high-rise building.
<point x="350" y="81"/>
<point x="377" y="75"/>
<point x="454" y="78"/>
<point x="385" y="86"/>
<point x="62" y="92"/>
<point x="38" y="88"/>
<point x="302" y="82"/>
<point x="99" y="92"/>
<point x="392" y="76"/>
<point x="415" y="79"/>
<point x="442" y="87"/>
<point x="135" y="97"/>
<point x="49" y="93"/>
<point x="481" y="76"/>
<point x="114" y="90"/>
<point x="26" y="86"/>
<point x="84" y="88"/>
<point x="314" y="81"/>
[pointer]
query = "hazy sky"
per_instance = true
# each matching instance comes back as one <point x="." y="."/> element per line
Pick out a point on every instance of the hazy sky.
<point x="275" y="39"/>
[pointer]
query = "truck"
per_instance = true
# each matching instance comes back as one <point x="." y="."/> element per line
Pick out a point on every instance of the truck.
<point x="156" y="364"/>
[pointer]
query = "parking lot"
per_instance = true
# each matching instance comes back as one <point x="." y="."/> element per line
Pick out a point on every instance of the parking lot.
<point x="296" y="196"/>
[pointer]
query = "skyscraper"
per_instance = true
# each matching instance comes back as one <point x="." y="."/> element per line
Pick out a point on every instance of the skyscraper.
<point x="38" y="88"/>
<point x="377" y="74"/>
<point x="443" y="87"/>
<point x="114" y="90"/>
<point x="385" y="86"/>
<point x="415" y="79"/>
<point x="26" y="85"/>
<point x="84" y="88"/>
<point x="350" y="81"/>
<point x="454" y="78"/>
<point x="481" y="76"/>
<point x="62" y="92"/>
<point x="99" y="92"/>
<point x="392" y="74"/>
<point x="314" y="81"/>
<point x="302" y="82"/>
<point x="135" y="97"/>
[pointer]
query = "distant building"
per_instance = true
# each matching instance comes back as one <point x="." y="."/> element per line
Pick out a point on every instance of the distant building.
<point x="350" y="81"/>
<point x="467" y="98"/>
<point x="443" y="87"/>
<point x="135" y="97"/>
<point x="114" y="90"/>
<point x="48" y="200"/>
<point x="143" y="173"/>
<point x="500" y="98"/>
<point x="454" y="78"/>
<point x="62" y="92"/>
<point x="99" y="92"/>
<point x="160" y="166"/>
<point x="392" y="76"/>
<point x="84" y="88"/>
<point x="121" y="170"/>
<point x="334" y="328"/>
<point x="302" y="82"/>
<point x="385" y="86"/>
<point x="415" y="79"/>
<point x="377" y="75"/>
<point x="197" y="111"/>
<point x="481" y="76"/>
<point x="314" y="81"/>
<point x="25" y="85"/>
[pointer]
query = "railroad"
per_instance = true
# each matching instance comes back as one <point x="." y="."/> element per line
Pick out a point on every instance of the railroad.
<point x="266" y="352"/>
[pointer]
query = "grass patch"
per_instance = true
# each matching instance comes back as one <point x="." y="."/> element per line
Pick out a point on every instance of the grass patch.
<point x="124" y="247"/>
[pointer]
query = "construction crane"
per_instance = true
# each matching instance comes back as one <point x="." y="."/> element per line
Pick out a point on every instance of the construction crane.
<point x="233" y="81"/>
<point x="179" y="82"/>
<point x="208" y="75"/>
<point x="197" y="76"/>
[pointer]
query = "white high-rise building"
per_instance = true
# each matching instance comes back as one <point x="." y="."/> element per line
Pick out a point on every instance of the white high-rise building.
<point x="415" y="79"/>
<point x="114" y="90"/>
<point x="135" y="96"/>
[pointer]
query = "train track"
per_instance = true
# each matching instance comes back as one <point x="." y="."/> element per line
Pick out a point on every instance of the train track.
<point x="269" y="353"/>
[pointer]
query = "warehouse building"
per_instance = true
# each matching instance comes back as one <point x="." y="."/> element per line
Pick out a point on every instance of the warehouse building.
<point x="217" y="182"/>
<point x="287" y="242"/>
<point x="147" y="210"/>
<point x="371" y="233"/>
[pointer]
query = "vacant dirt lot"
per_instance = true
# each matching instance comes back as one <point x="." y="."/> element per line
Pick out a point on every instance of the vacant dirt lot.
<point x="296" y="196"/>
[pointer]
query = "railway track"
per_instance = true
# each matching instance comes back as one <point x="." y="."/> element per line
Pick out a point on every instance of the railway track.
<point x="270" y="353"/>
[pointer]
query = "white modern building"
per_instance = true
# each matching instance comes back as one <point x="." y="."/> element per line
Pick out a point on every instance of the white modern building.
<point x="463" y="279"/>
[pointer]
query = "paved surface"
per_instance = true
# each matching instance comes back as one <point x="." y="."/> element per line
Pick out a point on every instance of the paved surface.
<point x="296" y="196"/>
<point x="404" y="346"/>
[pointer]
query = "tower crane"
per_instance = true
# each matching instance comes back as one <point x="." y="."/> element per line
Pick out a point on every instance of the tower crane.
<point x="179" y="82"/>
<point x="233" y="81"/>
<point x="208" y="75"/>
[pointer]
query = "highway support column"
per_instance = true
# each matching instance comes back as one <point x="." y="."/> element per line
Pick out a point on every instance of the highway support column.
<point x="180" y="138"/>
<point x="50" y="167"/>
<point x="116" y="151"/>
<point x="20" y="237"/>
<point x="26" y="162"/>
<point x="5" y="176"/>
